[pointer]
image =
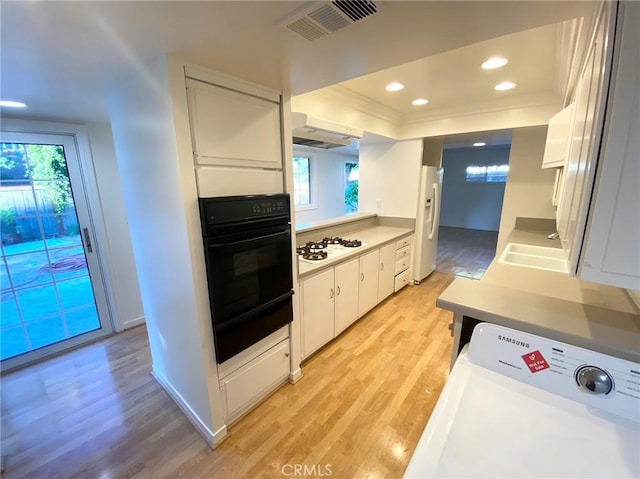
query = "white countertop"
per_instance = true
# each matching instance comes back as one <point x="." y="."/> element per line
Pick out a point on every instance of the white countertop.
<point x="371" y="238"/>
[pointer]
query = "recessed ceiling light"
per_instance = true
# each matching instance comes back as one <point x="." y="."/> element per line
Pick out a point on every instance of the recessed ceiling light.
<point x="395" y="86"/>
<point x="505" y="85"/>
<point x="494" y="62"/>
<point x="12" y="104"/>
<point x="419" y="101"/>
<point x="480" y="143"/>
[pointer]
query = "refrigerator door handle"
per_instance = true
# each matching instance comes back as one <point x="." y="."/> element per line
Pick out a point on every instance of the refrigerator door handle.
<point x="434" y="208"/>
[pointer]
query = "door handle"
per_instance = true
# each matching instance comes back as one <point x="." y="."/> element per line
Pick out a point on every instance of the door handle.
<point x="87" y="240"/>
<point x="361" y="276"/>
<point x="331" y="293"/>
<point x="381" y="266"/>
<point x="338" y="290"/>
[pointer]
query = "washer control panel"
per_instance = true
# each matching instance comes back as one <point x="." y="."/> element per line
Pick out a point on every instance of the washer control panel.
<point x="591" y="378"/>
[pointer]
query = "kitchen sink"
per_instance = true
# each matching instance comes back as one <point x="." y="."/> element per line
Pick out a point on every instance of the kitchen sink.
<point x="538" y="257"/>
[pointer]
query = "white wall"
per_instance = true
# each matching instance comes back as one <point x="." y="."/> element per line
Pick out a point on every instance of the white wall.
<point x="327" y="184"/>
<point x="127" y="310"/>
<point x="472" y="205"/>
<point x="151" y="134"/>
<point x="529" y="188"/>
<point x="390" y="178"/>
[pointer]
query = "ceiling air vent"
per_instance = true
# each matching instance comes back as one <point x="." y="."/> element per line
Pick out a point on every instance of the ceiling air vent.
<point x="319" y="19"/>
<point x="356" y="10"/>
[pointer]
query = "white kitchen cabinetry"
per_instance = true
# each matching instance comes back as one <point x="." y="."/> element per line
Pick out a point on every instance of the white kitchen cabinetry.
<point x="386" y="276"/>
<point x="318" y="295"/>
<point x="230" y="128"/>
<point x="403" y="261"/>
<point x="245" y="386"/>
<point x="346" y="294"/>
<point x="611" y="245"/>
<point x="368" y="290"/>
<point x="597" y="216"/>
<point x="556" y="147"/>
<point x="329" y="304"/>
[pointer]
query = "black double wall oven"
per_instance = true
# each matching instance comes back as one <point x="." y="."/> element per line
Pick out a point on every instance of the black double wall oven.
<point x="247" y="243"/>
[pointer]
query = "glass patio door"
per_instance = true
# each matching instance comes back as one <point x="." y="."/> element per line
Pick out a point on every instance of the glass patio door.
<point x="52" y="291"/>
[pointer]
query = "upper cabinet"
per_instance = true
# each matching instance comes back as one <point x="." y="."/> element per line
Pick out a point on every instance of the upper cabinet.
<point x="233" y="128"/>
<point x="597" y="215"/>
<point x="556" y="148"/>
<point x="611" y="246"/>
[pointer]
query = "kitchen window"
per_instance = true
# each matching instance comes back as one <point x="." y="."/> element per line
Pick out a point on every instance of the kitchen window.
<point x="302" y="181"/>
<point x="351" y="171"/>
<point x="487" y="174"/>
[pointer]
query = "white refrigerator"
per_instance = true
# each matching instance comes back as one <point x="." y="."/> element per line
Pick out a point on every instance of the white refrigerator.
<point x="427" y="222"/>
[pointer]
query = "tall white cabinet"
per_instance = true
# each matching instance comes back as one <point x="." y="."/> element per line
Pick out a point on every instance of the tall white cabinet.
<point x="195" y="133"/>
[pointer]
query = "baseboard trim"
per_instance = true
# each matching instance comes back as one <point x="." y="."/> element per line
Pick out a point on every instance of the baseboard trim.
<point x="295" y="376"/>
<point x="211" y="438"/>
<point x="133" y="323"/>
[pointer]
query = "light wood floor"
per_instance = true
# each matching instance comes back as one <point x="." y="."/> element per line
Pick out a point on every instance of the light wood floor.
<point x="358" y="411"/>
<point x="464" y="252"/>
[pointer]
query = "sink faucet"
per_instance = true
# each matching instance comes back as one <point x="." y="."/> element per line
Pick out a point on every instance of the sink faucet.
<point x="553" y="236"/>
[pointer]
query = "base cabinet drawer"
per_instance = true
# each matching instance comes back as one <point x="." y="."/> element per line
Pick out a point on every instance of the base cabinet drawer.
<point x="402" y="280"/>
<point x="246" y="386"/>
<point x="402" y="243"/>
<point x="402" y="265"/>
<point x="403" y="253"/>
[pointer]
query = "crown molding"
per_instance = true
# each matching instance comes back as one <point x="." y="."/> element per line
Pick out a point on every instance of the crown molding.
<point x="521" y="102"/>
<point x="361" y="103"/>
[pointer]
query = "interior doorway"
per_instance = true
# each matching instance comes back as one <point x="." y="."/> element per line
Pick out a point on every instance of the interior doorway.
<point x="476" y="167"/>
<point x="53" y="295"/>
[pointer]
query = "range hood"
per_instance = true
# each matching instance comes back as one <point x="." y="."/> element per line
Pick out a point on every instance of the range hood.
<point x="309" y="131"/>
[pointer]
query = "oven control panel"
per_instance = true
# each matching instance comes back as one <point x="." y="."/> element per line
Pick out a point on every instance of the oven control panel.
<point x="589" y="377"/>
<point x="267" y="207"/>
<point x="243" y="210"/>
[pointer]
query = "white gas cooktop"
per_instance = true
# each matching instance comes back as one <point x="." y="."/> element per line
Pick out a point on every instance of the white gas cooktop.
<point x="513" y="407"/>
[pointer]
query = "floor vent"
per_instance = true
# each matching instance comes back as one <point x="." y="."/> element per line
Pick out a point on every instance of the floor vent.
<point x="321" y="19"/>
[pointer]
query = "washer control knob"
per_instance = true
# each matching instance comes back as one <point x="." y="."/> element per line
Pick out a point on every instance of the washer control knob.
<point x="594" y="380"/>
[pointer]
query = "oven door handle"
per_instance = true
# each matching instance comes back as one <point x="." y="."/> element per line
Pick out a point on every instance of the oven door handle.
<point x="252" y="312"/>
<point x="249" y="240"/>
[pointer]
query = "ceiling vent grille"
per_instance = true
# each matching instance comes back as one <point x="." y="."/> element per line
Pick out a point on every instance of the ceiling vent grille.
<point x="316" y="21"/>
<point x="356" y="10"/>
<point x="307" y="29"/>
<point x="329" y="18"/>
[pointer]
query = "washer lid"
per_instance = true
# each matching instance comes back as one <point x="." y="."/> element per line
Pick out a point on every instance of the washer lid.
<point x="487" y="424"/>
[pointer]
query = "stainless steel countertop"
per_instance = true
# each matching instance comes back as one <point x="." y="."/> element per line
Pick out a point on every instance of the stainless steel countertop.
<point x="550" y="304"/>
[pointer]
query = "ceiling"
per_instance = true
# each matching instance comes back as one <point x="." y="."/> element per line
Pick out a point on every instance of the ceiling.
<point x="63" y="58"/>
<point x="454" y="79"/>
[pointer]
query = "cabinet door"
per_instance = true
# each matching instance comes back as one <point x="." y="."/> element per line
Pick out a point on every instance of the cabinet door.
<point x="347" y="283"/>
<point x="386" y="276"/>
<point x="368" y="290"/>
<point x="317" y="311"/>
<point x="232" y="128"/>
<point x="611" y="251"/>
<point x="246" y="386"/>
<point x="581" y="163"/>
